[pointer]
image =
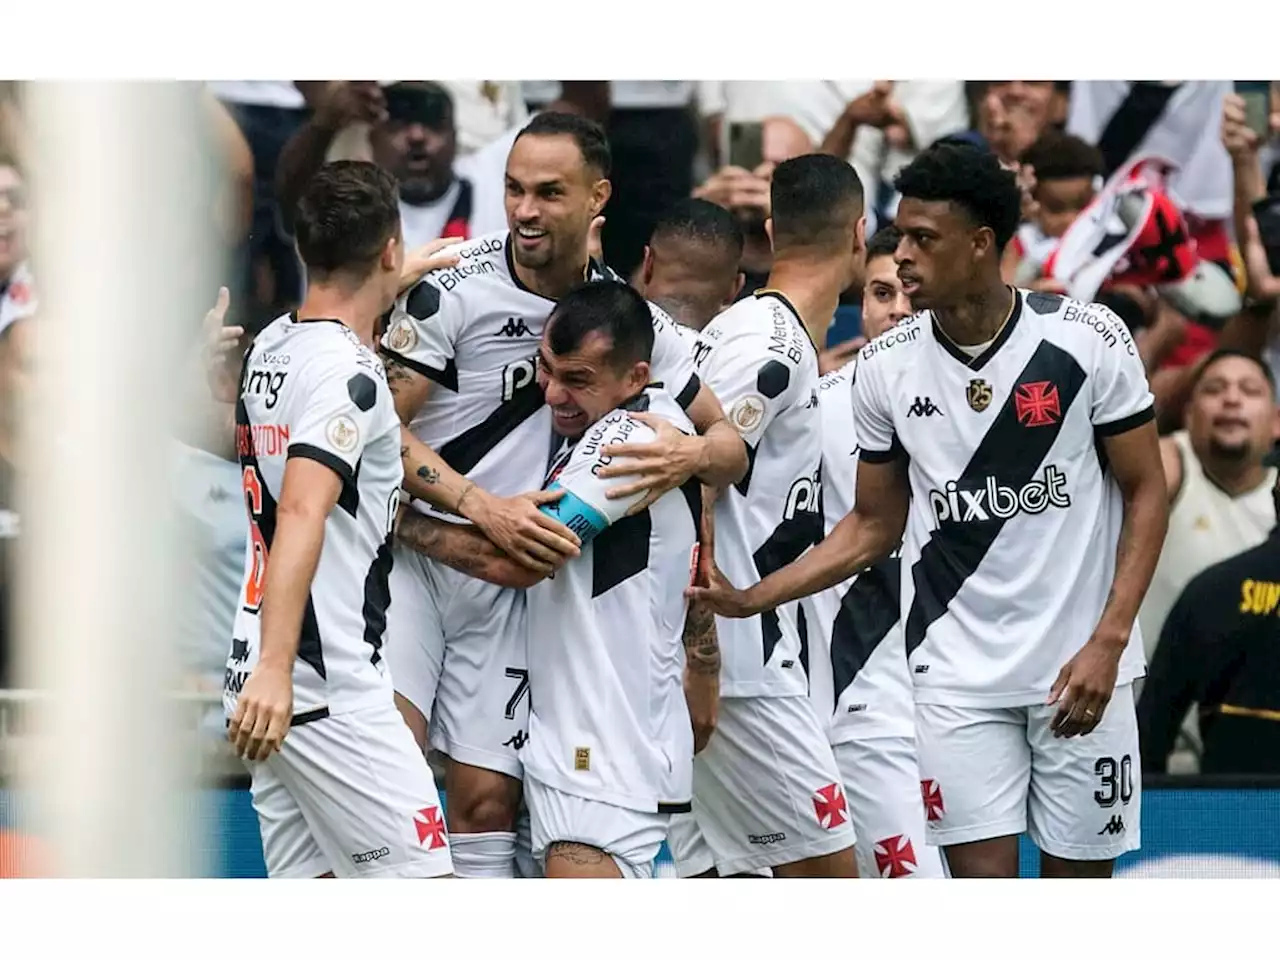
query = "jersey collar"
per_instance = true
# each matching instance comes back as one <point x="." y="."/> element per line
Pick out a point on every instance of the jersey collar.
<point x="594" y="270"/>
<point x="782" y="298"/>
<point x="981" y="360"/>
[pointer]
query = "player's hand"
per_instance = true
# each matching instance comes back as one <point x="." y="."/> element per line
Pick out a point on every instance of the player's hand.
<point x="264" y="711"/>
<point x="663" y="464"/>
<point x="595" y="246"/>
<point x="875" y="108"/>
<point x="218" y="342"/>
<point x="833" y="358"/>
<point x="420" y="262"/>
<point x="722" y="596"/>
<point x="1085" y="684"/>
<point x="523" y="532"/>
<point x="1239" y="139"/>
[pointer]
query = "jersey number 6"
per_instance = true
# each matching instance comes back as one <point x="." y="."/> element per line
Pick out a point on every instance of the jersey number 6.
<point x="258" y="574"/>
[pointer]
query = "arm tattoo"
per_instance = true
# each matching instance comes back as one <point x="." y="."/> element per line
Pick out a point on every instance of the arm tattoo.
<point x="579" y="854"/>
<point x="459" y="546"/>
<point x="427" y="475"/>
<point x="701" y="645"/>
<point x="398" y="373"/>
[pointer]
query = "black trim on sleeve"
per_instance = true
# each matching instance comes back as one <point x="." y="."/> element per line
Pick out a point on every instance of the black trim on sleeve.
<point x="686" y="807"/>
<point x="690" y="392"/>
<point x="447" y="378"/>
<point x="895" y="452"/>
<point x="330" y="460"/>
<point x="1131" y="422"/>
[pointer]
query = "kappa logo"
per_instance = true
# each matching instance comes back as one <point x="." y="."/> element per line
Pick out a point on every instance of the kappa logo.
<point x="1114" y="827"/>
<point x="924" y="407"/>
<point x="370" y="855"/>
<point x="517" y="740"/>
<point x="514" y="327"/>
<point x="764" y="839"/>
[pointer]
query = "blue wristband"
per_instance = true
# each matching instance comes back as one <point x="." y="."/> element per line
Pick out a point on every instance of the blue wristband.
<point x="576" y="514"/>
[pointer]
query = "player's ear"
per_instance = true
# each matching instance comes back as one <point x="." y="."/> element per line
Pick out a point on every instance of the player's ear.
<point x="640" y="375"/>
<point x="646" y="268"/>
<point x="984" y="242"/>
<point x="768" y="230"/>
<point x="390" y="257"/>
<point x="601" y="191"/>
<point x="860" y="234"/>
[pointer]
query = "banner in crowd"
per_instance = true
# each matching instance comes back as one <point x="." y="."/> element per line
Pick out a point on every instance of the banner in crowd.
<point x="1186" y="833"/>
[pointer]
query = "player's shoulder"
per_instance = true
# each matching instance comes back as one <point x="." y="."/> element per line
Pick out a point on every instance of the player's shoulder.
<point x="842" y="375"/>
<point x="897" y="346"/>
<point x="470" y="283"/>
<point x="761" y="324"/>
<point x="1080" y="328"/>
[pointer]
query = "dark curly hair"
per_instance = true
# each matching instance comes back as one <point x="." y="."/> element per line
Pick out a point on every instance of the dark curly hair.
<point x="1060" y="156"/>
<point x="969" y="178"/>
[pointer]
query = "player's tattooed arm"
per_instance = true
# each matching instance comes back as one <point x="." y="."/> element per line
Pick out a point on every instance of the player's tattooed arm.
<point x="464" y="548"/>
<point x="701" y="644"/>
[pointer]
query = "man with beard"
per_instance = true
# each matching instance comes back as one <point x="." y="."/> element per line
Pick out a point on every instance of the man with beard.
<point x="1219" y="489"/>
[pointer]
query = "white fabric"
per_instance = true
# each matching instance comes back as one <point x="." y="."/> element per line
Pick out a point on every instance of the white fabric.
<point x="631" y="837"/>
<point x="766" y="792"/>
<point x="483" y="110"/>
<point x="313" y="390"/>
<point x="1003" y="462"/>
<point x="259" y="93"/>
<point x="757" y="358"/>
<point x="1000" y="771"/>
<point x="484" y="855"/>
<point x="353" y="795"/>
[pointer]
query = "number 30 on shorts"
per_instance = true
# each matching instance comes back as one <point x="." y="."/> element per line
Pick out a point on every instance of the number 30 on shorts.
<point x="1115" y="780"/>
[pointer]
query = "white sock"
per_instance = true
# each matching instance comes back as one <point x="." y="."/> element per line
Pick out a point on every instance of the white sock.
<point x="527" y="866"/>
<point x="483" y="854"/>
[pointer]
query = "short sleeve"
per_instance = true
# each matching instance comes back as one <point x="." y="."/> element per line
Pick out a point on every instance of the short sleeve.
<point x="338" y="415"/>
<point x="672" y="359"/>
<point x="872" y="419"/>
<point x="584" y="508"/>
<point x="423" y="332"/>
<point x="753" y="384"/>
<point x="1121" y="398"/>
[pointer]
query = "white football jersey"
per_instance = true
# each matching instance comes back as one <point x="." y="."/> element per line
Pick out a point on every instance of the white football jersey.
<point x="312" y="389"/>
<point x="859" y="680"/>
<point x="608" y="719"/>
<point x="1014" y="520"/>
<point x="758" y="359"/>
<point x="474" y="330"/>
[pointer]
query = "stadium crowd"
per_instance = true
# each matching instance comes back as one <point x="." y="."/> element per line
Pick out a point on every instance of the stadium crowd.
<point x="1144" y="216"/>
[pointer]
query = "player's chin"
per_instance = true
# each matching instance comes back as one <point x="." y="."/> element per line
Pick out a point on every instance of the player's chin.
<point x="570" y="424"/>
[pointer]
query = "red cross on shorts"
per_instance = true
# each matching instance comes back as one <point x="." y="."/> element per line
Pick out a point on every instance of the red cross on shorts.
<point x="1037" y="404"/>
<point x="895" y="857"/>
<point x="829" y="804"/>
<point x="430" y="827"/>
<point x="932" y="794"/>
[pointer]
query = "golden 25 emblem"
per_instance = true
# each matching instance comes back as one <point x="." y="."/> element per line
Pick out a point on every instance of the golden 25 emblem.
<point x="978" y="394"/>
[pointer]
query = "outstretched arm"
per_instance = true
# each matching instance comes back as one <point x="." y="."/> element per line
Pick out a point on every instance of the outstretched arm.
<point x="465" y="549"/>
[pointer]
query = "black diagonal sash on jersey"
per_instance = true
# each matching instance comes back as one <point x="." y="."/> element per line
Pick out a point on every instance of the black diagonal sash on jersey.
<point x="468" y="448"/>
<point x="792" y="537"/>
<point x="1139" y="111"/>
<point x="310" y="649"/>
<point x="868" y="611"/>
<point x="377" y="597"/>
<point x="1011" y="454"/>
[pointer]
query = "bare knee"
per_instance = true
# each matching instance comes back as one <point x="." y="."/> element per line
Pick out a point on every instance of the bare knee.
<point x="1056" y="868"/>
<point x="480" y="801"/>
<point x="996" y="858"/>
<point x="833" y="865"/>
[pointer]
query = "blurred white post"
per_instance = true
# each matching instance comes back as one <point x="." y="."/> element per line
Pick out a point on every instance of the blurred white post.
<point x="117" y="203"/>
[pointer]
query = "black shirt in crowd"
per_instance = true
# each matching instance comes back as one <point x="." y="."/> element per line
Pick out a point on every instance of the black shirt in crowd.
<point x="1220" y="648"/>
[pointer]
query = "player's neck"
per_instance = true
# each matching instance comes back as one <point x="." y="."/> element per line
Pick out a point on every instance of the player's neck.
<point x="813" y="290"/>
<point x="357" y="310"/>
<point x="555" y="279"/>
<point x="978" y="317"/>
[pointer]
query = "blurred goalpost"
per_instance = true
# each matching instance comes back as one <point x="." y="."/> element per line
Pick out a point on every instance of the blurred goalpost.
<point x="120" y="184"/>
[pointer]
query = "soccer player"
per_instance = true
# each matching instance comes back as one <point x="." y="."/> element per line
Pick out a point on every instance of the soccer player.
<point x="339" y="786"/>
<point x="1011" y="433"/>
<point x="692" y="262"/>
<point x="767" y="791"/>
<point x="460" y="353"/>
<point x="859" y="680"/>
<point x="610" y="745"/>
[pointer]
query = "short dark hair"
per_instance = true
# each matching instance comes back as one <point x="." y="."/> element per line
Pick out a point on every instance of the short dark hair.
<point x="969" y="178"/>
<point x="611" y="308"/>
<point x="587" y="134"/>
<point x="345" y="216"/>
<point x="703" y="222"/>
<point x="1225" y="352"/>
<point x="1061" y="156"/>
<point x="884" y="243"/>
<point x="814" y="199"/>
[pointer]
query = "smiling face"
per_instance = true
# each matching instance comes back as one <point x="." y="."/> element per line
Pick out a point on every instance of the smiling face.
<point x="1232" y="413"/>
<point x="584" y="384"/>
<point x="552" y="195"/>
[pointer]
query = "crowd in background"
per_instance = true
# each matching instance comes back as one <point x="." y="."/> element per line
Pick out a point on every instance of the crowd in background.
<point x="1160" y="200"/>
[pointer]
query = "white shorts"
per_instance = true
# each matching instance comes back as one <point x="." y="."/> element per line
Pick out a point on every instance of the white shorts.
<point x="456" y="650"/>
<point x="766" y="791"/>
<point x="350" y="794"/>
<point x="995" y="771"/>
<point x="631" y="837"/>
<point x="882" y="782"/>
